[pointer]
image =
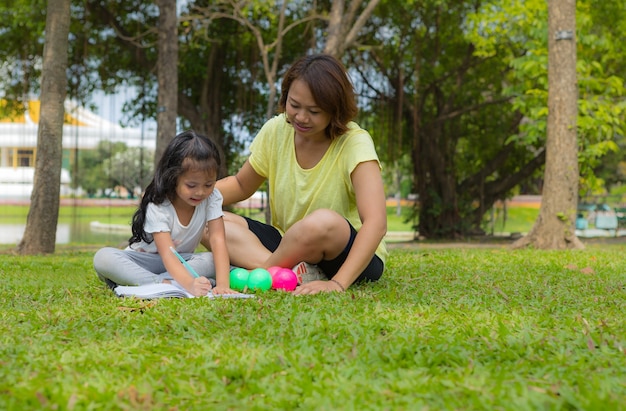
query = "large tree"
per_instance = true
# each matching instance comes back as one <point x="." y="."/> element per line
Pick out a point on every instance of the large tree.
<point x="167" y="74"/>
<point x="555" y="226"/>
<point x="463" y="87"/>
<point x="345" y="24"/>
<point x="40" y="233"/>
<point x="434" y="96"/>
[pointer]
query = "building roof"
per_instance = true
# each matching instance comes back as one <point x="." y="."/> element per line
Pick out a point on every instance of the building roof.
<point x="82" y="129"/>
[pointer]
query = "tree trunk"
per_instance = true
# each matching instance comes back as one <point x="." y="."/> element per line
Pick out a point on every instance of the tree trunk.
<point x="555" y="226"/>
<point x="41" y="224"/>
<point x="436" y="185"/>
<point x="344" y="25"/>
<point x="167" y="73"/>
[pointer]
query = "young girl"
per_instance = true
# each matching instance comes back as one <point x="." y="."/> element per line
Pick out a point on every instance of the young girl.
<point x="326" y="191"/>
<point x="178" y="206"/>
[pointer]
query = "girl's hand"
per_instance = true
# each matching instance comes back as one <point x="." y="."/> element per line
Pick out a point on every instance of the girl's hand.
<point x="218" y="289"/>
<point x="200" y="286"/>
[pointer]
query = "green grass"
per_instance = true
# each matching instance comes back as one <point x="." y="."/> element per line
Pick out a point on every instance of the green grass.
<point x="110" y="215"/>
<point x="519" y="219"/>
<point x="444" y="329"/>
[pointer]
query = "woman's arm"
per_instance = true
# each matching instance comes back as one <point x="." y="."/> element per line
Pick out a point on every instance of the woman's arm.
<point x="240" y="186"/>
<point x="370" y="199"/>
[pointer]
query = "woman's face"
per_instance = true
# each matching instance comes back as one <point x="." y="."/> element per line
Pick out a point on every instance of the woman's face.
<point x="307" y="118"/>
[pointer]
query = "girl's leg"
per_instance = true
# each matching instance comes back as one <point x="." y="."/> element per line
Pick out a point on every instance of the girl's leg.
<point x="123" y="267"/>
<point x="202" y="263"/>
<point x="322" y="235"/>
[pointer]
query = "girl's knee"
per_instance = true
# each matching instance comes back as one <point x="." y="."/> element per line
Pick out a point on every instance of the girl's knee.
<point x="103" y="258"/>
<point x="203" y="264"/>
<point x="100" y="257"/>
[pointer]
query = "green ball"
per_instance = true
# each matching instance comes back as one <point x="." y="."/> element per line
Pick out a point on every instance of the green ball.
<point x="259" y="279"/>
<point x="239" y="279"/>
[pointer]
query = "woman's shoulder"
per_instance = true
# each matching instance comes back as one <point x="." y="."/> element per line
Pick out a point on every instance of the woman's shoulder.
<point x="275" y="130"/>
<point x="355" y="128"/>
<point x="355" y="135"/>
<point x="278" y="122"/>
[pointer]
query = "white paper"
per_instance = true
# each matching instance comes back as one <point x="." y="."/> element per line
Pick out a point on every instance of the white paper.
<point x="174" y="290"/>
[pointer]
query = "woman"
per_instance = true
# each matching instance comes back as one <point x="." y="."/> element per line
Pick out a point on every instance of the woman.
<point x="326" y="192"/>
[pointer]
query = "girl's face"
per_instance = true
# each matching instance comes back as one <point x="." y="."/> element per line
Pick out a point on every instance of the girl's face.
<point x="304" y="114"/>
<point x="194" y="186"/>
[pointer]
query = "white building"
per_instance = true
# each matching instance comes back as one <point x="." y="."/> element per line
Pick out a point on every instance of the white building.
<point x="83" y="130"/>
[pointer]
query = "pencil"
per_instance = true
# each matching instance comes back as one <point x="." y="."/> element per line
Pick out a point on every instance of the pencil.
<point x="185" y="263"/>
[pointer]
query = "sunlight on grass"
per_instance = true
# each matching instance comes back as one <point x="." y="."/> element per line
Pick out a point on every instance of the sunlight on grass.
<point x="444" y="329"/>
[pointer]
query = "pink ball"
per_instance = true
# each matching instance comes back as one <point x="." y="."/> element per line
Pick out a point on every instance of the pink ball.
<point x="284" y="279"/>
<point x="274" y="269"/>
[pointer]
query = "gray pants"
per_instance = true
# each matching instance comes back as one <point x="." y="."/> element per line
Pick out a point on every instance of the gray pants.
<point x="127" y="267"/>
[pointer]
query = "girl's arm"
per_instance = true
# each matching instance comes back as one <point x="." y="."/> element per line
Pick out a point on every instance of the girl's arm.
<point x="217" y="241"/>
<point x="240" y="186"/>
<point x="370" y="199"/>
<point x="196" y="286"/>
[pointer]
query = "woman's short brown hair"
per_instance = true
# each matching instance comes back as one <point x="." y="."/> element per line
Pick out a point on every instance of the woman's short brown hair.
<point x="330" y="86"/>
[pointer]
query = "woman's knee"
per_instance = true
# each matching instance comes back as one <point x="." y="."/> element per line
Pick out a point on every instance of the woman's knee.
<point x="324" y="220"/>
<point x="233" y="223"/>
<point x="324" y="225"/>
<point x="232" y="218"/>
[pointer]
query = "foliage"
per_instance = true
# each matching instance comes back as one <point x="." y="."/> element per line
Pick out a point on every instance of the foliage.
<point x="111" y="165"/>
<point x="435" y="96"/>
<point x="131" y="169"/>
<point x="600" y="72"/>
<point x="468" y="329"/>
<point x="22" y="22"/>
<point x="473" y="147"/>
<point x="457" y="88"/>
<point x="397" y="176"/>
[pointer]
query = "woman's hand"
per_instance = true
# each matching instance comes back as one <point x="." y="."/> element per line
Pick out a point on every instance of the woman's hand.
<point x="315" y="287"/>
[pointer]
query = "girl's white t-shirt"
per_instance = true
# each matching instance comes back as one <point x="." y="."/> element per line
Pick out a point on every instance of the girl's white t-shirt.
<point x="162" y="218"/>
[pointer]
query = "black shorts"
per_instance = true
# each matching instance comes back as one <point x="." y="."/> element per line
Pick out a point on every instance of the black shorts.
<point x="270" y="237"/>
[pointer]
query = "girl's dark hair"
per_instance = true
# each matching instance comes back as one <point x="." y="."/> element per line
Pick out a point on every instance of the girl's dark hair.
<point x="330" y="86"/>
<point x="187" y="151"/>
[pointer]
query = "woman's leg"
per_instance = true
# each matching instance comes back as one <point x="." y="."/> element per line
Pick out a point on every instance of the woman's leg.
<point x="244" y="247"/>
<point x="372" y="272"/>
<point x="322" y="235"/>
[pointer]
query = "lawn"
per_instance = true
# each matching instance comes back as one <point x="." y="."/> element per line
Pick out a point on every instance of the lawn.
<point x="518" y="219"/>
<point x="444" y="329"/>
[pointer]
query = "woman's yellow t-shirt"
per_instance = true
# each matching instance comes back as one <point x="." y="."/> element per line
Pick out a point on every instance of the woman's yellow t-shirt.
<point x="295" y="192"/>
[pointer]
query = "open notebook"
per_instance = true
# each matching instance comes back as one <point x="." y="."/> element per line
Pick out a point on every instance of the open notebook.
<point x="173" y="290"/>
